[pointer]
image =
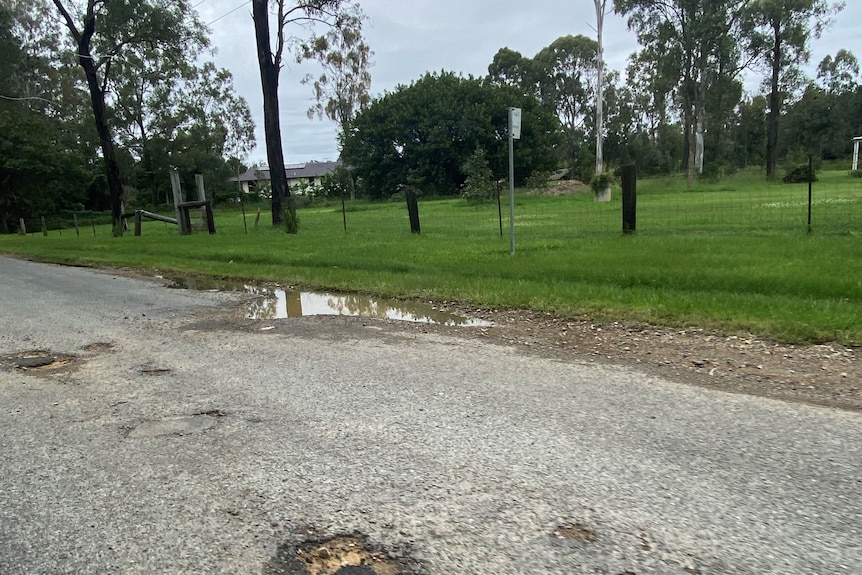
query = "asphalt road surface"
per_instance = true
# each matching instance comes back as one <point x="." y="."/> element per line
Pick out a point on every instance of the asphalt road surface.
<point x="171" y="435"/>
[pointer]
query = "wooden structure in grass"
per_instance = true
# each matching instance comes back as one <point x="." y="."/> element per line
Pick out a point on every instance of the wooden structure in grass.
<point x="183" y="209"/>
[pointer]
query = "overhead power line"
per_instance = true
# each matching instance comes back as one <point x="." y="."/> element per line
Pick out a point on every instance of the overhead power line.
<point x="229" y="13"/>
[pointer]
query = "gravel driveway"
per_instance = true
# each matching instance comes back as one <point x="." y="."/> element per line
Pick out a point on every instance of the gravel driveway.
<point x="146" y="430"/>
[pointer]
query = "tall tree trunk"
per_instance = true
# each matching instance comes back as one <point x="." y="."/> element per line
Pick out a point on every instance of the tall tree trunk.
<point x="97" y="97"/>
<point x="283" y="212"/>
<point x="774" y="104"/>
<point x="600" y="96"/>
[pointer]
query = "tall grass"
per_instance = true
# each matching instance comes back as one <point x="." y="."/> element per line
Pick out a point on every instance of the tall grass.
<point x="732" y="256"/>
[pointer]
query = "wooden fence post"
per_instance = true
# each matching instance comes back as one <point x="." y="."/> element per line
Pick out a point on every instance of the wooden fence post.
<point x="22" y="229"/>
<point x="44" y="227"/>
<point x="413" y="210"/>
<point x="257" y="219"/>
<point x="75" y="221"/>
<point x="178" y="199"/>
<point x="138" y="222"/>
<point x="629" y="180"/>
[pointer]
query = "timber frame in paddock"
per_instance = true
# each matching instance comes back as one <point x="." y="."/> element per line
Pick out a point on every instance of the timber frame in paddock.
<point x="183" y="209"/>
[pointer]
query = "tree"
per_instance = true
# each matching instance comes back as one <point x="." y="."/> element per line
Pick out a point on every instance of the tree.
<point x="166" y="108"/>
<point x="510" y="68"/>
<point x="478" y="183"/>
<point x="423" y="134"/>
<point x="601" y="11"/>
<point x="109" y="30"/>
<point x="838" y="75"/>
<point x="336" y="14"/>
<point x="697" y="42"/>
<point x="778" y="34"/>
<point x="566" y="72"/>
<point x="45" y="153"/>
<point x="343" y="86"/>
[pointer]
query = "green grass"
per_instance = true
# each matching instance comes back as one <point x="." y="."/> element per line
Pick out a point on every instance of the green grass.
<point x="733" y="256"/>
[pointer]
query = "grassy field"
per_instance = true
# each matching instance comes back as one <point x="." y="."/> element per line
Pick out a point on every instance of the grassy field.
<point x="733" y="256"/>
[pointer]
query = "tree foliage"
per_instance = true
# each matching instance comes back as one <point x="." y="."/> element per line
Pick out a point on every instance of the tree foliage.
<point x="342" y="87"/>
<point x="422" y="135"/>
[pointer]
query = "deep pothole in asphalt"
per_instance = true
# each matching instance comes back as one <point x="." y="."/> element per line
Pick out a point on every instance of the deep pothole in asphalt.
<point x="340" y="555"/>
<point x="37" y="361"/>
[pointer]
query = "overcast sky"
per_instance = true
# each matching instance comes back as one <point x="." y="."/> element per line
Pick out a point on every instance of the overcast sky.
<point x="411" y="37"/>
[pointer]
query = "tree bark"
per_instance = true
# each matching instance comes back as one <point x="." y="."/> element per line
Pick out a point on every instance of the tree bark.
<point x="283" y="213"/>
<point x="600" y="20"/>
<point x="774" y="104"/>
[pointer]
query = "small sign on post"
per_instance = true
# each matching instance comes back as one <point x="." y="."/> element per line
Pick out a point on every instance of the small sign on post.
<point x="516" y="123"/>
<point x="514" y="134"/>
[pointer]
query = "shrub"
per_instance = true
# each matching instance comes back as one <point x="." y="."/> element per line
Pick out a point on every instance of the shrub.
<point x="856" y="173"/>
<point x="800" y="173"/>
<point x="601" y="182"/>
<point x="537" y="180"/>
<point x="478" y="186"/>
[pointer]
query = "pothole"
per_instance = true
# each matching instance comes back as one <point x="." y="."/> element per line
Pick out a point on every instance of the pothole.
<point x="177" y="426"/>
<point x="155" y="372"/>
<point x="340" y="555"/>
<point x="37" y="361"/>
<point x="98" y="347"/>
<point x="575" y="531"/>
<point x="212" y="413"/>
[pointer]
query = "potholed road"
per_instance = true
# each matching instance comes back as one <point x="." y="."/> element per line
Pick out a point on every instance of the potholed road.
<point x="183" y="438"/>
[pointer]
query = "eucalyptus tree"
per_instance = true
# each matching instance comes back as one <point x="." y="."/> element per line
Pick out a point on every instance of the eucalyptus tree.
<point x="342" y="87"/>
<point x="339" y="15"/>
<point x="103" y="33"/>
<point x="601" y="12"/>
<point x="566" y="77"/>
<point x="698" y="42"/>
<point x="778" y="33"/>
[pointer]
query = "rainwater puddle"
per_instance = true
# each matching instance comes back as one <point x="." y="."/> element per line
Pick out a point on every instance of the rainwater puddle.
<point x="277" y="303"/>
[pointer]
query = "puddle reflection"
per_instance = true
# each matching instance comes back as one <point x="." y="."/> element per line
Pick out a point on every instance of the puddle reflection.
<point x="280" y="304"/>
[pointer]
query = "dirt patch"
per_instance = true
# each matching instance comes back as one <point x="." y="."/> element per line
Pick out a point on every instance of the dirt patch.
<point x="575" y="531"/>
<point x="340" y="555"/>
<point x="566" y="188"/>
<point x="822" y="374"/>
<point x="37" y="361"/>
<point x="98" y="347"/>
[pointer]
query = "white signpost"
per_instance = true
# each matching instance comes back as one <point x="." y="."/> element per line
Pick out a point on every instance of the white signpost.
<point x="514" y="134"/>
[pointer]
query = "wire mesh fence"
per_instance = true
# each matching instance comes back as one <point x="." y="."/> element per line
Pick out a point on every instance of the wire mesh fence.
<point x="561" y="212"/>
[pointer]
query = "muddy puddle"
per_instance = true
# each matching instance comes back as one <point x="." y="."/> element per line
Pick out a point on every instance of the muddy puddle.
<point x="279" y="303"/>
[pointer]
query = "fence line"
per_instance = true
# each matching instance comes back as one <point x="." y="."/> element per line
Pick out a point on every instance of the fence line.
<point x="561" y="212"/>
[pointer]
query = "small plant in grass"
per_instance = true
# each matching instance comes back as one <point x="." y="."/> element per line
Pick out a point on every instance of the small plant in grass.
<point x="800" y="173"/>
<point x="601" y="184"/>
<point x="479" y="186"/>
<point x="856" y="173"/>
<point x="537" y="180"/>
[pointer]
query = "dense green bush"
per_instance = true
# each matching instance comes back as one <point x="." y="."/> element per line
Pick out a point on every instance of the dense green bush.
<point x="800" y="173"/>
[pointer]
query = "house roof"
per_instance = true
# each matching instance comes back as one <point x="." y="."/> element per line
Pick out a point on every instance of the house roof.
<point x="293" y="171"/>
